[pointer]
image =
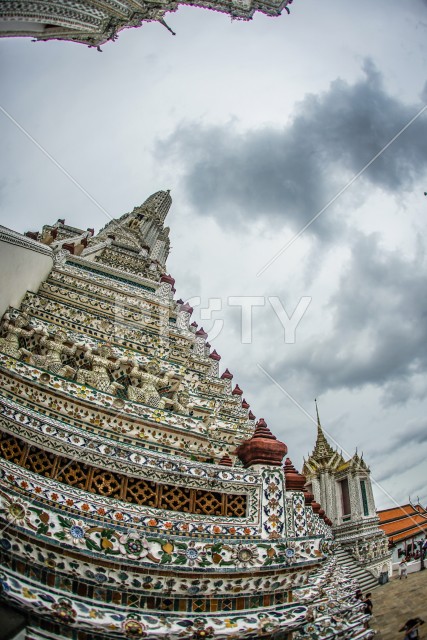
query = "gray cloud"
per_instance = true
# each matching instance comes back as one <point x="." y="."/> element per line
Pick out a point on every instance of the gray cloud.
<point x="379" y="334"/>
<point x="414" y="432"/>
<point x="287" y="175"/>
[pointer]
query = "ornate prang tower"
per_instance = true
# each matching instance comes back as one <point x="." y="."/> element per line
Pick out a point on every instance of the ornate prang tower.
<point x="344" y="490"/>
<point x="94" y="22"/>
<point x="138" y="497"/>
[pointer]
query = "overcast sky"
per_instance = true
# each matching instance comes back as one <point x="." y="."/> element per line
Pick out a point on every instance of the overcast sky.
<point x="257" y="128"/>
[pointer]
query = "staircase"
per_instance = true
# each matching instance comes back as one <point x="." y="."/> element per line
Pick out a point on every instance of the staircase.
<point x="366" y="581"/>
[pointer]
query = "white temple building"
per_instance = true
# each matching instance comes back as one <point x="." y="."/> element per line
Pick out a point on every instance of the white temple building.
<point x="344" y="489"/>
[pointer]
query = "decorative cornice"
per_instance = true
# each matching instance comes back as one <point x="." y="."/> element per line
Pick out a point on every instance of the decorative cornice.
<point x="129" y="458"/>
<point x="106" y="270"/>
<point x="95" y="23"/>
<point x="13" y="237"/>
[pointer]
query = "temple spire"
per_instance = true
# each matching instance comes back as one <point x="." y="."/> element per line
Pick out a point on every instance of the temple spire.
<point x="137" y="242"/>
<point x="322" y="449"/>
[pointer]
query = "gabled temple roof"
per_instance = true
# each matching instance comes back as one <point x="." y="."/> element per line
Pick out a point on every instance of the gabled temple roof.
<point x="404" y="522"/>
<point x="324" y="456"/>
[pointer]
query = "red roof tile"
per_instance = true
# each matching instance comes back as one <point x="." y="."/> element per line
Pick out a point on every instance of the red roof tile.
<point x="401" y="523"/>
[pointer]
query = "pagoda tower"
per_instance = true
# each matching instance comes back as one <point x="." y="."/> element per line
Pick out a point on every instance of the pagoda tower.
<point x="344" y="490"/>
<point x="139" y="496"/>
<point x="95" y="22"/>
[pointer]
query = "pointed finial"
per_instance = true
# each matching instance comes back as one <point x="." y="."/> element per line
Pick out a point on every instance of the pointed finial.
<point x="322" y="449"/>
<point x="317" y="412"/>
<point x="161" y="20"/>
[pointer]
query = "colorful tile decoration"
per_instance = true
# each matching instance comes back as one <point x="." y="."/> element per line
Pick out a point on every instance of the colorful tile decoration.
<point x="125" y="519"/>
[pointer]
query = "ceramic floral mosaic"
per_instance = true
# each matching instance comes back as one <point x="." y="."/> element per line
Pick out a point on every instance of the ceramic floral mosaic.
<point x="139" y="496"/>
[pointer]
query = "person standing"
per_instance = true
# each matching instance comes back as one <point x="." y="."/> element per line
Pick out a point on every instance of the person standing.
<point x="403" y="569"/>
<point x="368" y="604"/>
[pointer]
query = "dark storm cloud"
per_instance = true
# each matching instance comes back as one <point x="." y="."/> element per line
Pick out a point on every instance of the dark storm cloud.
<point x="289" y="174"/>
<point x="379" y="333"/>
<point x="415" y="432"/>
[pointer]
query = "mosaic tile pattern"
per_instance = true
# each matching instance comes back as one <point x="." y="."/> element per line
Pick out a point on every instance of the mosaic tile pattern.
<point x="125" y="519"/>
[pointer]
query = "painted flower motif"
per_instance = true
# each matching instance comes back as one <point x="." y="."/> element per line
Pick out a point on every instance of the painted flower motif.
<point x="245" y="555"/>
<point x="16" y="512"/>
<point x="133" y="546"/>
<point x="133" y="628"/>
<point x="76" y="533"/>
<point x="100" y="511"/>
<point x="207" y="632"/>
<point x="194" y="554"/>
<point x="63" y="611"/>
<point x="85" y="507"/>
<point x="152" y="522"/>
<point x="274" y="535"/>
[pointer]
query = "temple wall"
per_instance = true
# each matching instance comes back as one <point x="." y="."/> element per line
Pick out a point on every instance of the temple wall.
<point x="24" y="264"/>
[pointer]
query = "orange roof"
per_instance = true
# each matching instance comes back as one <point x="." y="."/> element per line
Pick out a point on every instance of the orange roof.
<point x="403" y="522"/>
<point x="398" y="512"/>
<point x="411" y="533"/>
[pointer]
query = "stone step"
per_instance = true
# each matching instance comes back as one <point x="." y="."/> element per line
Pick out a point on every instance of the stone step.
<point x="365" y="579"/>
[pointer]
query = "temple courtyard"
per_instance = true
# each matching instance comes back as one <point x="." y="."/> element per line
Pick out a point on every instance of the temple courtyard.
<point x="396" y="602"/>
